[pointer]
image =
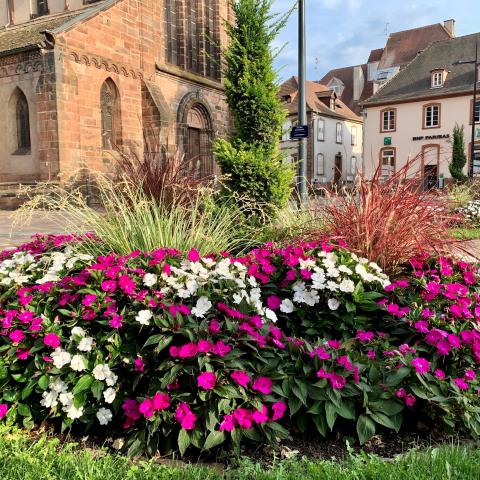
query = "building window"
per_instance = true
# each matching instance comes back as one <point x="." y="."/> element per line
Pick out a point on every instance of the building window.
<point x="339" y="133"/>
<point x="387" y="158"/>
<point x="431" y="116"/>
<point x="437" y="79"/>
<point x="320" y="165"/>
<point x="42" y="7"/>
<point x="388" y="120"/>
<point x="332" y="104"/>
<point x="354" y="135"/>
<point x="476" y="160"/>
<point x="477" y="111"/>
<point x="23" y="125"/>
<point x="110" y="113"/>
<point x="321" y="130"/>
<point x="353" y="166"/>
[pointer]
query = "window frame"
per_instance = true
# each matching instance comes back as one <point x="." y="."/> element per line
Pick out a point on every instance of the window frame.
<point x="437" y="74"/>
<point x="317" y="174"/>
<point x="424" y="116"/>
<point x="322" y="121"/>
<point x="381" y="156"/>
<point x="354" y="137"/>
<point x="339" y="133"/>
<point x="353" y="171"/>
<point x="382" y="124"/>
<point x="23" y="127"/>
<point x="477" y="103"/>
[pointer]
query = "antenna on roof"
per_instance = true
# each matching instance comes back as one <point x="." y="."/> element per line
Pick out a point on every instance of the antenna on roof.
<point x="315" y="61"/>
<point x="387" y="24"/>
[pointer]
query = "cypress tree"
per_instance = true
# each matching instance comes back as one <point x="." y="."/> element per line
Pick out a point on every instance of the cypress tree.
<point x="459" y="159"/>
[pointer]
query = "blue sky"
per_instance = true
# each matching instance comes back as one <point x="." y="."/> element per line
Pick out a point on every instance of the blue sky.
<point x="342" y="32"/>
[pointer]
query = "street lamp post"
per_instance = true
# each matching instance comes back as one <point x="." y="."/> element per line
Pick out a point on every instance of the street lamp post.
<point x="475" y="81"/>
<point x="302" y="106"/>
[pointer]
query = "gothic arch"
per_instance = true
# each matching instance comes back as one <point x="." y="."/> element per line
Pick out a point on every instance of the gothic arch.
<point x="110" y="111"/>
<point x="19" y="112"/>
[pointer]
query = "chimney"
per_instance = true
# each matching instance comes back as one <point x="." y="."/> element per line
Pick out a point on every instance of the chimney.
<point x="358" y="82"/>
<point x="450" y="26"/>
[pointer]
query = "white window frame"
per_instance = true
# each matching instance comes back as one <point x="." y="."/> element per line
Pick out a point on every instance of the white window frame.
<point x="339" y="133"/>
<point x="437" y="79"/>
<point x="321" y="130"/>
<point x="388" y="167"/>
<point x="425" y="114"/>
<point x="354" y="135"/>
<point x="353" y="165"/>
<point x="391" y="120"/>
<point x="320" y="162"/>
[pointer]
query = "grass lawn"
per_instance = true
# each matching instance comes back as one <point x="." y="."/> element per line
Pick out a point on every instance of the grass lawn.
<point x="465" y="233"/>
<point x="24" y="459"/>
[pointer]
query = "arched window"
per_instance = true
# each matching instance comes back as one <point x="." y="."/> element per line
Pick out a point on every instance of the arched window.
<point x="23" y="124"/>
<point x="111" y="121"/>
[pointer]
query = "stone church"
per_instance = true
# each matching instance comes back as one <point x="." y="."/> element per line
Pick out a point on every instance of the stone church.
<point x="79" y="78"/>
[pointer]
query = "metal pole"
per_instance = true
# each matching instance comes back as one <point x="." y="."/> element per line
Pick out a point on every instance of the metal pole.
<point x="302" y="106"/>
<point x="475" y="80"/>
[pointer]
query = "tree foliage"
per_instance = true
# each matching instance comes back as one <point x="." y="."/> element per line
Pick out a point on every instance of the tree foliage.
<point x="459" y="159"/>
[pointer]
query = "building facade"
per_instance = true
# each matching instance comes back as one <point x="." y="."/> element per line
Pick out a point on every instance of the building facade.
<point x="334" y="146"/>
<point x="80" y="79"/>
<point x="413" y="116"/>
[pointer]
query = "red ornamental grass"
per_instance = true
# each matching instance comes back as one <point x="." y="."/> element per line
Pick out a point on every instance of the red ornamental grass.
<point x="389" y="221"/>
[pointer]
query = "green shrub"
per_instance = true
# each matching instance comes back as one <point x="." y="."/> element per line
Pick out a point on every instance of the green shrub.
<point x="459" y="159"/>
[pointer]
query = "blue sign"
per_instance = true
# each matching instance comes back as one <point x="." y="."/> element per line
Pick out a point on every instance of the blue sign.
<point x="298" y="132"/>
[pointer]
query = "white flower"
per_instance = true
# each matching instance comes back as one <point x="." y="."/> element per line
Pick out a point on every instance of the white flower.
<point x="333" y="304"/>
<point x="109" y="395"/>
<point x="85" y="344"/>
<point x="311" y="298"/>
<point x="77" y="363"/>
<point x="77" y="332"/>
<point x="271" y="315"/>
<point x="66" y="399"/>
<point x="346" y="286"/>
<point x="60" y="358"/>
<point x="101" y="371"/>
<point x="111" y="379"/>
<point x="345" y="269"/>
<point x="143" y="317"/>
<point x="150" y="279"/>
<point x="286" y="306"/>
<point x="104" y="416"/>
<point x="58" y="386"/>
<point x="202" y="307"/>
<point x="74" y="412"/>
<point x="333" y="272"/>
<point x="49" y="399"/>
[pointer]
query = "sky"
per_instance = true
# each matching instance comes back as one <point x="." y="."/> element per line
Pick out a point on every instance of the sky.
<point x="342" y="32"/>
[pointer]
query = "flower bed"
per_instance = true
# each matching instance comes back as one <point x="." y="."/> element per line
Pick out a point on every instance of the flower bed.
<point x="183" y="351"/>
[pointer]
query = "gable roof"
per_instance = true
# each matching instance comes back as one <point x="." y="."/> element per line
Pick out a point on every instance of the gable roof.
<point x="402" y="47"/>
<point x="414" y="81"/>
<point x="375" y="55"/>
<point x="315" y="91"/>
<point x="32" y="34"/>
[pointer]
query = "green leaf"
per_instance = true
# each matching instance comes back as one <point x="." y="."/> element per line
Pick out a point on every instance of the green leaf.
<point x="294" y="405"/>
<point x="26" y="392"/>
<point x="382" y="419"/>
<point x="321" y="424"/>
<point x="183" y="441"/>
<point x="43" y="382"/>
<point x="365" y="428"/>
<point x="83" y="384"/>
<point x="395" y="378"/>
<point x="346" y="410"/>
<point x="214" y="438"/>
<point x="389" y="407"/>
<point x="331" y="413"/>
<point x="24" y="410"/>
<point x="97" y="388"/>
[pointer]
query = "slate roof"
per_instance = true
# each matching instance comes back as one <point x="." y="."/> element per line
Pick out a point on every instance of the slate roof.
<point x="315" y="90"/>
<point x="414" y="81"/>
<point x="31" y="34"/>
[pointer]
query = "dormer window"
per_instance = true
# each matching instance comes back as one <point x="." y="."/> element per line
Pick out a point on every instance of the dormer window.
<point x="438" y="78"/>
<point x="287" y="98"/>
<point x="332" y="104"/>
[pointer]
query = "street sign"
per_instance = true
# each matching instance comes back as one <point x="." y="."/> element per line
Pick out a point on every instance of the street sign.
<point x="387" y="140"/>
<point x="298" y="132"/>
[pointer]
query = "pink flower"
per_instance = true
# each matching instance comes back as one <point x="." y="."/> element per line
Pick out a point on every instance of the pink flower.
<point x="263" y="385"/>
<point x="260" y="416"/>
<point x="371" y="354"/>
<point x="320" y="353"/>
<point x="345" y="363"/>
<point x="401" y="393"/>
<point x="278" y="408"/>
<point x="242" y="378"/>
<point x="3" y="410"/>
<point x="51" y="340"/>
<point x="185" y="416"/>
<point x="410" y="400"/>
<point x="421" y="365"/>
<point x="461" y="383"/>
<point x="207" y="380"/>
<point x="109" y="286"/>
<point x="274" y="302"/>
<point x="138" y="365"/>
<point x="16" y="336"/>
<point x="116" y="321"/>
<point x="228" y="423"/>
<point x="365" y="336"/>
<point x="440" y="374"/>
<point x="126" y="284"/>
<point x="146" y="408"/>
<point x="356" y="376"/>
<point x="335" y="344"/>
<point x="470" y="375"/>
<point x="161" y="401"/>
<point x="194" y="255"/>
<point x="204" y="346"/>
<point x="337" y="382"/>
<point x="243" y="417"/>
<point x="188" y="350"/>
<point x="221" y="349"/>
<point x="89" y="299"/>
<point x="422" y="326"/>
<point x="214" y="326"/>
<point x="23" y="353"/>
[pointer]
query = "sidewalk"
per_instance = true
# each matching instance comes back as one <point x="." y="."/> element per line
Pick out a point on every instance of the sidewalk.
<point x="39" y="224"/>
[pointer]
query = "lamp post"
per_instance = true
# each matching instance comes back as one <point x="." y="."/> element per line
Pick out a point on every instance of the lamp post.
<point x="302" y="106"/>
<point x="475" y="81"/>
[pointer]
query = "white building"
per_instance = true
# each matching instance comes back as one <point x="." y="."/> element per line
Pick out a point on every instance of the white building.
<point x="415" y="113"/>
<point x="334" y="148"/>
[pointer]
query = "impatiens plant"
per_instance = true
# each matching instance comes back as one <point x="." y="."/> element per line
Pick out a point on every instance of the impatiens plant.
<point x="187" y="351"/>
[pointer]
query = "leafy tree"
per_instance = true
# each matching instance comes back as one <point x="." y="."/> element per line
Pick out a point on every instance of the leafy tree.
<point x="250" y="157"/>
<point x="459" y="159"/>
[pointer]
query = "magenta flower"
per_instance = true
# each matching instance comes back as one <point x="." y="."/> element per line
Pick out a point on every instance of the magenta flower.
<point x="470" y="375"/>
<point x="116" y="321"/>
<point x="185" y="416"/>
<point x="422" y="326"/>
<point x="89" y="299"/>
<point x="421" y="365"/>
<point x="279" y="409"/>
<point x="242" y="378"/>
<point x="23" y="353"/>
<point x="335" y="344"/>
<point x="188" y="350"/>
<point x="204" y="346"/>
<point x="161" y="401"/>
<point x="3" y="410"/>
<point x="260" y="416"/>
<point x="337" y="382"/>
<point x="274" y="302"/>
<point x="16" y="336"/>
<point x="109" y="286"/>
<point x="51" y="340"/>
<point x="263" y="385"/>
<point x="461" y="383"/>
<point x="214" y="326"/>
<point x="126" y="284"/>
<point x="146" y="408"/>
<point x="243" y="417"/>
<point x="207" y="380"/>
<point x="221" y="348"/>
<point x="345" y="363"/>
<point x="410" y="400"/>
<point x="401" y="393"/>
<point x="365" y="336"/>
<point x="194" y="255"/>
<point x="228" y="423"/>
<point x="371" y="354"/>
<point x="440" y="374"/>
<point x="138" y="365"/>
